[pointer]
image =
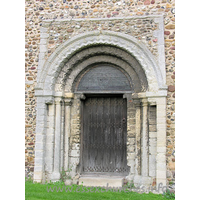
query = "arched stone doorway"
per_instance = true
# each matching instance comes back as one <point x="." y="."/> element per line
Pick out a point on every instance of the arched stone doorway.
<point x="101" y="64"/>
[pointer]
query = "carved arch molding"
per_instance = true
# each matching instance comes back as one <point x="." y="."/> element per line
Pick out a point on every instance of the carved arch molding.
<point x="58" y="120"/>
<point x="95" y="55"/>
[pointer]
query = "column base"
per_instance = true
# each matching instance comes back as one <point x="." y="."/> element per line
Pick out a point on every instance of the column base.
<point x="141" y="180"/>
<point x="55" y="176"/>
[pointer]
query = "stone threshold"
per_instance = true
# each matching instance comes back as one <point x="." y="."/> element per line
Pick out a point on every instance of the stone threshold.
<point x="101" y="181"/>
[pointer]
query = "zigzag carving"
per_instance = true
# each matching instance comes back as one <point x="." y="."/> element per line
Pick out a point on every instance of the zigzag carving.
<point x="136" y="49"/>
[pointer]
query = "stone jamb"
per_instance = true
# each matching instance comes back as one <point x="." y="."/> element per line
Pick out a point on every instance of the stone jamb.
<point x="40" y="140"/>
<point x="161" y="141"/>
<point x="50" y="138"/>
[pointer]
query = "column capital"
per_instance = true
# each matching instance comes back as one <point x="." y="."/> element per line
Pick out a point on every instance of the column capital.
<point x="58" y="101"/>
<point x="144" y="101"/>
<point x="69" y="95"/>
<point x="135" y="96"/>
<point x="68" y="101"/>
<point x="81" y="96"/>
<point x="49" y="101"/>
<point x="137" y="102"/>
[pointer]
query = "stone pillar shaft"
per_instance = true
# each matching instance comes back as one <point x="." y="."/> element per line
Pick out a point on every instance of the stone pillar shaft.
<point x="137" y="134"/>
<point x="68" y="104"/>
<point x="57" y="143"/>
<point x="144" y="139"/>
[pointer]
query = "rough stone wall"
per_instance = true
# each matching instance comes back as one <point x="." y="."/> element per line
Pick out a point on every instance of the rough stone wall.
<point x="39" y="10"/>
<point x="142" y="29"/>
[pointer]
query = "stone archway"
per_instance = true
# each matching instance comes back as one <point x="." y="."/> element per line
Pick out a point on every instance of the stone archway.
<point x="58" y="123"/>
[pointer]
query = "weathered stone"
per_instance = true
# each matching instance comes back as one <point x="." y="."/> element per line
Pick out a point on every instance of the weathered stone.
<point x="155" y="40"/>
<point x="170" y="146"/>
<point x="172" y="165"/>
<point x="168" y="121"/>
<point x="167" y="32"/>
<point x="70" y="30"/>
<point x="173" y="10"/>
<point x="168" y="5"/>
<point x="139" y="13"/>
<point x="173" y="76"/>
<point x="115" y="13"/>
<point x="147" y="2"/>
<point x="170" y="26"/>
<point x="171" y="88"/>
<point x="30" y="78"/>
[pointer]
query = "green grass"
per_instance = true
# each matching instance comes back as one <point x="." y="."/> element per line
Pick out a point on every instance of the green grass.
<point x="36" y="191"/>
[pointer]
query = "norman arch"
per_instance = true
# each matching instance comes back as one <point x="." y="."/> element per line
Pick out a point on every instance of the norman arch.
<point x="62" y="89"/>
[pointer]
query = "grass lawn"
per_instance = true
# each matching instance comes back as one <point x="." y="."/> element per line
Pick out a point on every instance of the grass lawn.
<point x="36" y="191"/>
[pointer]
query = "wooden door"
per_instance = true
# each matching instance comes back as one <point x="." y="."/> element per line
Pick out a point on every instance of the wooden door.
<point x="104" y="135"/>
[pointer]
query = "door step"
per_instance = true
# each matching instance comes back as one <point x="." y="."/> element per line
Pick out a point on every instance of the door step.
<point x="101" y="181"/>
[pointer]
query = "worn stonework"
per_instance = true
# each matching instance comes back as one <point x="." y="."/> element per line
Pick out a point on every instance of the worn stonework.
<point x="51" y="24"/>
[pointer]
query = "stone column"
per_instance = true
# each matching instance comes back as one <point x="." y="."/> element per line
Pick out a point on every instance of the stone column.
<point x="144" y="139"/>
<point x="161" y="141"/>
<point x="62" y="135"/>
<point x="67" y="128"/>
<point x="57" y="143"/>
<point x="50" y="138"/>
<point x="136" y="101"/>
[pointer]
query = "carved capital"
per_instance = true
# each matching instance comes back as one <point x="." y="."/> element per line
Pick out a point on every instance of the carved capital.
<point x="69" y="95"/>
<point x="137" y="102"/>
<point x="58" y="101"/>
<point x="49" y="101"/>
<point x="81" y="96"/>
<point x="135" y="96"/>
<point x="144" y="102"/>
<point x="68" y="102"/>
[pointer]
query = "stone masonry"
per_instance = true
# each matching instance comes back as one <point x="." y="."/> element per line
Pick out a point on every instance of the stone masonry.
<point x="109" y="15"/>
